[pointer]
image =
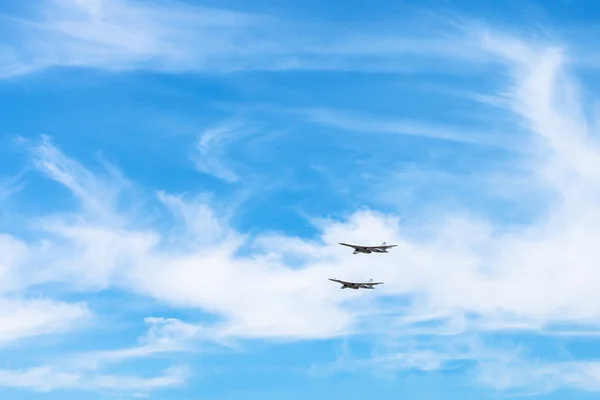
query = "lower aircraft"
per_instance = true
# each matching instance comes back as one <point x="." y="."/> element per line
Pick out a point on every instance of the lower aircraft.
<point x="370" y="249"/>
<point x="357" y="285"/>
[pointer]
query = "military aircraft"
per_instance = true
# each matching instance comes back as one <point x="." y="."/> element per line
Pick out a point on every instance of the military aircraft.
<point x="370" y="249"/>
<point x="357" y="285"/>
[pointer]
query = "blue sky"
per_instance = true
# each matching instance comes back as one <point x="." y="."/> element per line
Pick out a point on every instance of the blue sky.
<point x="175" y="178"/>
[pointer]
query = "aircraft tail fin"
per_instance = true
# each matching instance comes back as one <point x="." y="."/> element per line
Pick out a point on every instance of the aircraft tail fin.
<point x="371" y="280"/>
<point x="384" y="243"/>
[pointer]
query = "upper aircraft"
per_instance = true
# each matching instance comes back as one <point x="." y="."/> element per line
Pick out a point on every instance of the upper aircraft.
<point x="357" y="285"/>
<point x="369" y="249"/>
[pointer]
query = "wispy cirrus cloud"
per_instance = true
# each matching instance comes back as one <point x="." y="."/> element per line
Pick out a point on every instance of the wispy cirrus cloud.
<point x="480" y="266"/>
<point x="85" y="371"/>
<point x="97" y="195"/>
<point x="373" y="124"/>
<point x="129" y="35"/>
<point x="24" y="318"/>
<point x="537" y="378"/>
<point x="501" y="368"/>
<point x="11" y="186"/>
<point x="49" y="378"/>
<point x="459" y="267"/>
<point x="212" y="147"/>
<point x="113" y="252"/>
<point x="164" y="335"/>
<point x="541" y="270"/>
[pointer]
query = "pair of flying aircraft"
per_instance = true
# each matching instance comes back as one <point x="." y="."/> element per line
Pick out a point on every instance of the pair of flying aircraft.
<point x="383" y="248"/>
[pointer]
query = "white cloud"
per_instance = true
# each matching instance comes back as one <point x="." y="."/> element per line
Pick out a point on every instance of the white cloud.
<point x="361" y="123"/>
<point x="479" y="266"/>
<point x="165" y="335"/>
<point x="212" y="146"/>
<point x="21" y="318"/>
<point x="12" y="253"/>
<point x="502" y="368"/>
<point x="458" y="267"/>
<point x="83" y="371"/>
<point x="10" y="186"/>
<point x="99" y="196"/>
<point x="516" y="277"/>
<point x="133" y="34"/>
<point x="391" y="354"/>
<point x="541" y="377"/>
<point x="48" y="378"/>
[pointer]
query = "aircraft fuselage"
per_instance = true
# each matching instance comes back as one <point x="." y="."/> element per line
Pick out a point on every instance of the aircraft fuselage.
<point x="356" y="287"/>
<point x="369" y="251"/>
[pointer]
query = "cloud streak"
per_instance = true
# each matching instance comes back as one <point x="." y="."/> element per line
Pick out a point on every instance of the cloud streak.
<point x="131" y="35"/>
<point x="212" y="146"/>
<point x="21" y="319"/>
<point x="83" y="372"/>
<point x="364" y="124"/>
<point x="49" y="378"/>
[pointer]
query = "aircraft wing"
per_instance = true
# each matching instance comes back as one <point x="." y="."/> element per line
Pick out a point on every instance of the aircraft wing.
<point x="356" y="246"/>
<point x="387" y="246"/>
<point x="339" y="281"/>
<point x="355" y="283"/>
